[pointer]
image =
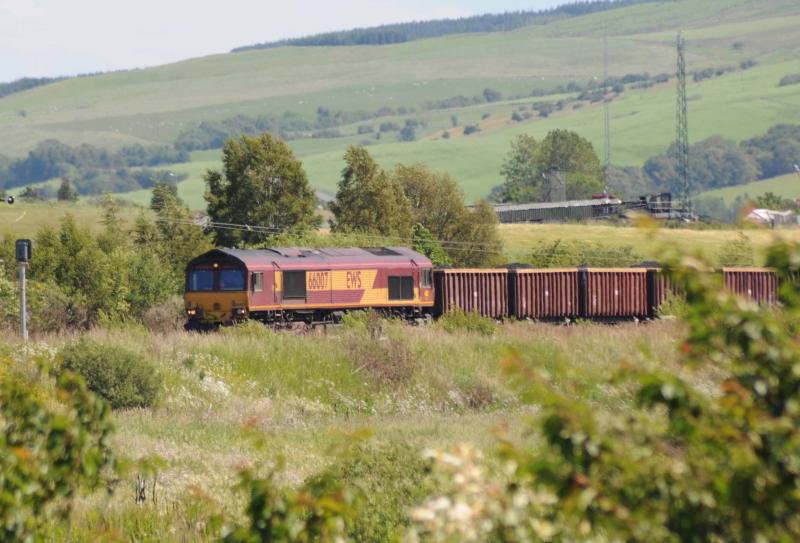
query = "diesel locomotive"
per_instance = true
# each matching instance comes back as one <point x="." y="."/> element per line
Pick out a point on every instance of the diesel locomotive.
<point x="285" y="285"/>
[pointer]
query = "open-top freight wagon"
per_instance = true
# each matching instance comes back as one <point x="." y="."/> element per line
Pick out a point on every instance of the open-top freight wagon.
<point x="286" y="285"/>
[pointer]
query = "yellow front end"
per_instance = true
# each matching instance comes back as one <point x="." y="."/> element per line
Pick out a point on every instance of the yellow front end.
<point x="211" y="308"/>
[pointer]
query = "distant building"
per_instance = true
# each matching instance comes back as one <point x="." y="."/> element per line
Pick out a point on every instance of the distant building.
<point x="772" y="218"/>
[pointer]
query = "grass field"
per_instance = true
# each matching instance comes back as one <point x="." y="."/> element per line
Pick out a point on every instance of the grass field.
<point x="153" y="105"/>
<point x="520" y="239"/>
<point x="786" y="186"/>
<point x="24" y="219"/>
<point x="307" y="397"/>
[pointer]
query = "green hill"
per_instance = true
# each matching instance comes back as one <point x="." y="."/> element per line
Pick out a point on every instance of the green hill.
<point x="155" y="105"/>
<point x="786" y="186"/>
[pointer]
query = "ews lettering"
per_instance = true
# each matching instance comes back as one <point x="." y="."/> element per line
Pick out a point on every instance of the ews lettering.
<point x="354" y="280"/>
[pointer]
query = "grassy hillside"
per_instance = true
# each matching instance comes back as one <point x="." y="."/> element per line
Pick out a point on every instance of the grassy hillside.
<point x="786" y="186"/>
<point x="154" y="105"/>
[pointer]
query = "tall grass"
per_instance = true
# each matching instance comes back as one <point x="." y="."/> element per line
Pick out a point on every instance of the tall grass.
<point x="302" y="394"/>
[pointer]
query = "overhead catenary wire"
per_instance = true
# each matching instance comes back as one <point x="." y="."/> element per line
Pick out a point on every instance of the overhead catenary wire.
<point x="472" y="246"/>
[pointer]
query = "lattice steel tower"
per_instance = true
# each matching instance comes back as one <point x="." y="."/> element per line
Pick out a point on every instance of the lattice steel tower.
<point x="682" y="130"/>
<point x="606" y="112"/>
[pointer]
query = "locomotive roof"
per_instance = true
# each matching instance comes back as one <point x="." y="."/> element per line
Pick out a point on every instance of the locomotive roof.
<point x="327" y="255"/>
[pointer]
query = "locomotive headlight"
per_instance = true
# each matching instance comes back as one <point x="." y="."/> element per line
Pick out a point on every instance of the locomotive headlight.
<point x="191" y="312"/>
<point x="239" y="311"/>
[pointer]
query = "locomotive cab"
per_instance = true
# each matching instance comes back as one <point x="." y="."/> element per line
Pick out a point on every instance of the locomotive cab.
<point x="216" y="289"/>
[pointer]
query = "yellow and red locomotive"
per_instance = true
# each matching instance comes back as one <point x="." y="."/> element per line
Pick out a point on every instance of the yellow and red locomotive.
<point x="283" y="285"/>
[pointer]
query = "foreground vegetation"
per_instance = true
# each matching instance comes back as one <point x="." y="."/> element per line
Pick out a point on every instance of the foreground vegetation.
<point x="465" y="430"/>
<point x="251" y="397"/>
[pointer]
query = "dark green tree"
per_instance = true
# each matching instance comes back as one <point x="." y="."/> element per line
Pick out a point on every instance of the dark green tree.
<point x="770" y="200"/>
<point x="369" y="200"/>
<point x="66" y="192"/>
<point x="426" y="244"/>
<point x="177" y="238"/>
<point x="521" y="171"/>
<point x="469" y="237"/>
<point x="568" y="152"/>
<point x="261" y="184"/>
<point x="477" y="238"/>
<point x="162" y="193"/>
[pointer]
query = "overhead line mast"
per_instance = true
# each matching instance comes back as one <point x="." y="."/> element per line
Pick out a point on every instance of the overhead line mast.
<point x="682" y="130"/>
<point x="606" y="112"/>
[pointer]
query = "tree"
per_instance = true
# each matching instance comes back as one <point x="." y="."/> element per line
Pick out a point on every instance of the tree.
<point x="31" y="193"/>
<point x="520" y="168"/>
<point x="491" y="95"/>
<point x="714" y="163"/>
<point x="425" y="243"/>
<point x="436" y="200"/>
<point x="770" y="200"/>
<point x="66" y="192"/>
<point x="777" y="151"/>
<point x="629" y="182"/>
<point x="176" y="238"/>
<point x="261" y="184"/>
<point x="574" y="155"/>
<point x="469" y="237"/>
<point x="408" y="133"/>
<point x="369" y="200"/>
<point x="162" y="194"/>
<point x="478" y="240"/>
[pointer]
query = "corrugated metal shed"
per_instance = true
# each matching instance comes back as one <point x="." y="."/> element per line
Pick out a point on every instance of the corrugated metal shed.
<point x="572" y="210"/>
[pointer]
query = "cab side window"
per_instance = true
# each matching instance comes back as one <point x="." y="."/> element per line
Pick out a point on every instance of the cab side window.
<point x="257" y="282"/>
<point x="426" y="278"/>
<point x="401" y="287"/>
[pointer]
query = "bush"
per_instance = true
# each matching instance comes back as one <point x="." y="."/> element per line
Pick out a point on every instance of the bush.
<point x="737" y="253"/>
<point x="470" y="322"/>
<point x="560" y="253"/>
<point x="53" y="443"/>
<point x="791" y="79"/>
<point x="471" y="129"/>
<point x="390" y="478"/>
<point x="124" y="378"/>
<point x="168" y="316"/>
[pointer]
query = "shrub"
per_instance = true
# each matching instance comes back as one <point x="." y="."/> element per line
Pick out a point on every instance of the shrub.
<point x="387" y="362"/>
<point x="53" y="441"/>
<point x="737" y="253"/>
<point x="165" y="317"/>
<point x="390" y="478"/>
<point x="471" y="129"/>
<point x="467" y="321"/>
<point x="318" y="511"/>
<point x="561" y="253"/>
<point x="791" y="79"/>
<point x="124" y="378"/>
